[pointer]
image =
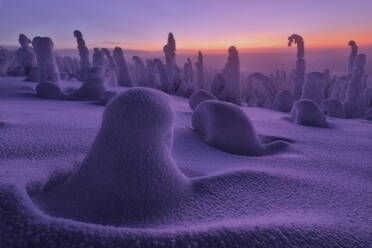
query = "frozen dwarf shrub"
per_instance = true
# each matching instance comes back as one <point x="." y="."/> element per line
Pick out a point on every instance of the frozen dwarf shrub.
<point x="111" y="61"/>
<point x="49" y="86"/>
<point x="333" y="107"/>
<point x="6" y="59"/>
<point x="352" y="56"/>
<point x="94" y="85"/>
<point x="330" y="84"/>
<point x="111" y="69"/>
<point x="259" y="91"/>
<point x="225" y="126"/>
<point x="75" y="68"/>
<point x="140" y="74"/>
<point x="354" y="104"/>
<point x="68" y="64"/>
<point x="163" y="77"/>
<point x="123" y="73"/>
<point x="218" y="87"/>
<point x="232" y="74"/>
<point x="283" y="101"/>
<point x="25" y="59"/>
<point x="83" y="53"/>
<point x="188" y="72"/>
<point x="128" y="175"/>
<point x="315" y="86"/>
<point x="152" y="77"/>
<point x="307" y="113"/>
<point x="199" y="97"/>
<point x="200" y="72"/>
<point x="99" y="59"/>
<point x="339" y="88"/>
<point x="298" y="78"/>
<point x="279" y="79"/>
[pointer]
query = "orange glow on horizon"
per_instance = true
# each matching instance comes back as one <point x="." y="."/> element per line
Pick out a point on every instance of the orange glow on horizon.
<point x="247" y="43"/>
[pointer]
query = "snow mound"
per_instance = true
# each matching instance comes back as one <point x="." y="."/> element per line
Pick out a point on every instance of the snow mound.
<point x="199" y="97"/>
<point x="307" y="113"/>
<point x="128" y="176"/>
<point x="333" y="107"/>
<point x="107" y="97"/>
<point x="283" y="101"/>
<point x="94" y="85"/>
<point x="225" y="126"/>
<point x="50" y="91"/>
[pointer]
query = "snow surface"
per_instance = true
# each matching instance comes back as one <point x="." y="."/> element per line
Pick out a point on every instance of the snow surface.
<point x="316" y="194"/>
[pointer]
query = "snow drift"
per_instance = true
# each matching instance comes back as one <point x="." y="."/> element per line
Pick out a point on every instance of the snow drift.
<point x="128" y="176"/>
<point x="307" y="113"/>
<point x="225" y="126"/>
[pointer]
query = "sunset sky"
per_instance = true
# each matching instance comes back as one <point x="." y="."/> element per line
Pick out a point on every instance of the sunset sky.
<point x="196" y="24"/>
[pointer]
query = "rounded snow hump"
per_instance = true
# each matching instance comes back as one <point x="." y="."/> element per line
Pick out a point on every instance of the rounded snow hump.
<point x="225" y="126"/>
<point x="307" y="113"/>
<point x="128" y="176"/>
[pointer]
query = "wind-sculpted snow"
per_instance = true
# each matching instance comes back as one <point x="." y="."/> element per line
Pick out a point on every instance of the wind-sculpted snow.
<point x="299" y="75"/>
<point x="283" y="101"/>
<point x="225" y="126"/>
<point x="198" y="97"/>
<point x="126" y="178"/>
<point x="314" y="195"/>
<point x="307" y="113"/>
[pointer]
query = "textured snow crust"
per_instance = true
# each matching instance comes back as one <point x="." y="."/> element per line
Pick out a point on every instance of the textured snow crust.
<point x="317" y="194"/>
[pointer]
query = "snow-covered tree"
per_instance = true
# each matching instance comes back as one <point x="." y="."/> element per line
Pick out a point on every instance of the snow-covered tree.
<point x="123" y="78"/>
<point x="84" y="54"/>
<point x="299" y="76"/>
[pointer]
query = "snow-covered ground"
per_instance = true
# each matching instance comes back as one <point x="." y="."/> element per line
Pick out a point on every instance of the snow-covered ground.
<point x="315" y="193"/>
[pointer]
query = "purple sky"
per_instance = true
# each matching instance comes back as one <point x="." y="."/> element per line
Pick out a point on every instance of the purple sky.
<point x="197" y="24"/>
